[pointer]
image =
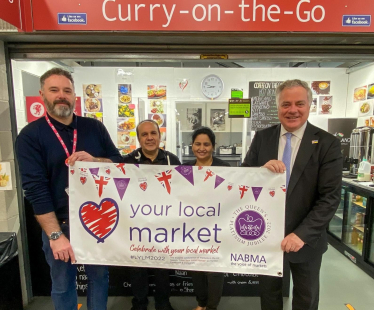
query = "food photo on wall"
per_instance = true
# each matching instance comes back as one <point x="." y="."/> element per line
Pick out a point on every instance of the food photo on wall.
<point x="156" y="106"/>
<point x="156" y="92"/>
<point x="163" y="138"/>
<point x="365" y="108"/>
<point x="320" y="87"/>
<point x="126" y="110"/>
<point x="313" y="106"/>
<point x="124" y="93"/>
<point x="325" y="105"/>
<point x="93" y="105"/>
<point x="126" y="138"/>
<point x="125" y="123"/>
<point x="5" y="176"/>
<point x="359" y="93"/>
<point x="370" y="94"/>
<point x="92" y="91"/>
<point x="98" y="116"/>
<point x="159" y="118"/>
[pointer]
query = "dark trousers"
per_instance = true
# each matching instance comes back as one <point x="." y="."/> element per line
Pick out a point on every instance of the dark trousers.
<point x="305" y="277"/>
<point x="139" y="286"/>
<point x="208" y="288"/>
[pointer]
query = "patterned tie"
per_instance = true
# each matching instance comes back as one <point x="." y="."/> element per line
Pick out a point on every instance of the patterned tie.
<point x="287" y="156"/>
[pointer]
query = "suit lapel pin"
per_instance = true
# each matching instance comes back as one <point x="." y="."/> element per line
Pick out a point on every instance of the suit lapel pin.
<point x="314" y="141"/>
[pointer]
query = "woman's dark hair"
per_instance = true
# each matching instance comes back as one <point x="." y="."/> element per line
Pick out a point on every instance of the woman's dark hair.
<point x="206" y="131"/>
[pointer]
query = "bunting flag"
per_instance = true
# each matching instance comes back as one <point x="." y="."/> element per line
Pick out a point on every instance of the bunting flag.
<point x="121" y="167"/>
<point x="165" y="179"/>
<point x="219" y="180"/>
<point x="94" y="171"/>
<point x="208" y="174"/>
<point x="100" y="182"/>
<point x="256" y="192"/>
<point x="83" y="175"/>
<point x="242" y="190"/>
<point x="121" y="185"/>
<point x="83" y="179"/>
<point x="187" y="172"/>
<point x="143" y="184"/>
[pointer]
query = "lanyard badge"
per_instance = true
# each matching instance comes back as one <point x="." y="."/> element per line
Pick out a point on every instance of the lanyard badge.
<point x="61" y="141"/>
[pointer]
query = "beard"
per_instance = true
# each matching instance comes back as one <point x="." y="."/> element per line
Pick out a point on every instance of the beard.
<point x="59" y="110"/>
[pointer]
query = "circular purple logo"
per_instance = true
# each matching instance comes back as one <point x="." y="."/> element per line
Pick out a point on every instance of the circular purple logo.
<point x="250" y="225"/>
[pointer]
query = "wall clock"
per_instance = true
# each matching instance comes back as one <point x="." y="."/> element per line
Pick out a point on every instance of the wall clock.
<point x="212" y="86"/>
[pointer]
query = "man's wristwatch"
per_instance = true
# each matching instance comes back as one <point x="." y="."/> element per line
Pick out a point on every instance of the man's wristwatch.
<point x="55" y="235"/>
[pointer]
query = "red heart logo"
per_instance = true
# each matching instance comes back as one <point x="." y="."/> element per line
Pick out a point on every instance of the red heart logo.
<point x="272" y="193"/>
<point x="183" y="84"/>
<point x="83" y="180"/>
<point x="72" y="171"/>
<point x="99" y="220"/>
<point x="107" y="171"/>
<point x="143" y="186"/>
<point x="200" y="167"/>
<point x="229" y="187"/>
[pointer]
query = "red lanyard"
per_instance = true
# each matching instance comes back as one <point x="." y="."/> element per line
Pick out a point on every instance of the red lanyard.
<point x="62" y="141"/>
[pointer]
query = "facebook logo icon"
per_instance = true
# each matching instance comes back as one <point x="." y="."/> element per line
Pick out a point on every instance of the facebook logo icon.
<point x="356" y="20"/>
<point x="72" y="18"/>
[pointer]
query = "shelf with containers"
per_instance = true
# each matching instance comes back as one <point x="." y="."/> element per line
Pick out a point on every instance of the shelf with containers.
<point x="351" y="230"/>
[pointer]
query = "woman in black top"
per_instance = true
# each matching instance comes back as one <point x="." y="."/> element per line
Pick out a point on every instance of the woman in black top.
<point x="207" y="285"/>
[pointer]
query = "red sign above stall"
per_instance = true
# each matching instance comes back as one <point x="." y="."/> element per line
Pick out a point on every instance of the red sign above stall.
<point x="11" y="12"/>
<point x="204" y="15"/>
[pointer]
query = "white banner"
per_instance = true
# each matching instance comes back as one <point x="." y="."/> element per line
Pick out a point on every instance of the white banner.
<point x="222" y="219"/>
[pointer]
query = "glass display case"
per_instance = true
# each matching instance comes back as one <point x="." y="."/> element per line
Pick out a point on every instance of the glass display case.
<point x="336" y="224"/>
<point x="351" y="230"/>
<point x="354" y="229"/>
<point x="371" y="243"/>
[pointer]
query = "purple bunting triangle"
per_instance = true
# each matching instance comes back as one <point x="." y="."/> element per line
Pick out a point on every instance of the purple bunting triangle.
<point x="121" y="184"/>
<point x="256" y="192"/>
<point x="137" y="165"/>
<point x="219" y="180"/>
<point x="187" y="172"/>
<point x="94" y="171"/>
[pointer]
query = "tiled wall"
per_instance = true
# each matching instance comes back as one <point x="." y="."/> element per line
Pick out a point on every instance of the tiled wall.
<point x="9" y="216"/>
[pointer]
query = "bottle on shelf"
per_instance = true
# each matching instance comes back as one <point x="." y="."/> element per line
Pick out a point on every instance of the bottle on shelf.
<point x="364" y="171"/>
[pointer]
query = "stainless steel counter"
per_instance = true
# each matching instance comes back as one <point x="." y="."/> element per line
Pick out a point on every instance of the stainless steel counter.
<point x="363" y="185"/>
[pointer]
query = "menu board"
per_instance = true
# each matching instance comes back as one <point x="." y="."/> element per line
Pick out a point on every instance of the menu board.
<point x="264" y="107"/>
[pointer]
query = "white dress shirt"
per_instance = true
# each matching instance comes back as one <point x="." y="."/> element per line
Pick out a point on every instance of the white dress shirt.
<point x="295" y="143"/>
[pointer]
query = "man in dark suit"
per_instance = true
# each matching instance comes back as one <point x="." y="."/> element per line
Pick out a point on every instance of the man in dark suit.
<point x="312" y="160"/>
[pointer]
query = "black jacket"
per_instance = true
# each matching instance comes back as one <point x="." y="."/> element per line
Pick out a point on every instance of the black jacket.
<point x="216" y="162"/>
<point x="313" y="193"/>
<point x="163" y="158"/>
